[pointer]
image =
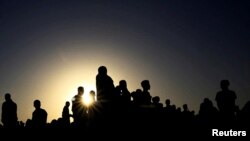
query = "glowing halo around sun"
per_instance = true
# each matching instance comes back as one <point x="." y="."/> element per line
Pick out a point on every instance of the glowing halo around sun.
<point x="87" y="100"/>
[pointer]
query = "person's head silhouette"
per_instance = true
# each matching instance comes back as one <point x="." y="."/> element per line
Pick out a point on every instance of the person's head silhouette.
<point x="92" y="93"/>
<point x="80" y="91"/>
<point x="7" y="97"/>
<point x="167" y="102"/>
<point x="67" y="104"/>
<point x="206" y="100"/>
<point x="185" y="107"/>
<point x="138" y="91"/>
<point x="145" y="85"/>
<point x="156" y="99"/>
<point x="37" y="104"/>
<point x="102" y="70"/>
<point x="224" y="84"/>
<point x="123" y="84"/>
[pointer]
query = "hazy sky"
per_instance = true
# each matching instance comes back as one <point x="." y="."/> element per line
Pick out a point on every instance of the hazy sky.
<point x="50" y="47"/>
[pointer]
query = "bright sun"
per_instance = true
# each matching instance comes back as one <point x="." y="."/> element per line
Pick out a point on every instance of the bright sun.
<point x="86" y="99"/>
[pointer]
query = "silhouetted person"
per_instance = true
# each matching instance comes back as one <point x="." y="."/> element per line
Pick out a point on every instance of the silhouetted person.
<point x="167" y="109"/>
<point x="186" y="113"/>
<point x="178" y="112"/>
<point x="167" y="102"/>
<point x="104" y="85"/>
<point x="146" y="97"/>
<point x="9" y="112"/>
<point x="136" y="95"/>
<point x="65" y="114"/>
<point x="92" y="105"/>
<point x="124" y="93"/>
<point x="207" y="109"/>
<point x="157" y="109"/>
<point x="92" y="96"/>
<point x="78" y="108"/>
<point x="185" y="108"/>
<point x="173" y="110"/>
<point x="156" y="102"/>
<point x="226" y="100"/>
<point x="92" y="110"/>
<point x="39" y="116"/>
<point x="28" y="123"/>
<point x="168" y="112"/>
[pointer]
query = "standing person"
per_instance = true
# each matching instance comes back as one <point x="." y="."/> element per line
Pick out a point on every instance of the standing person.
<point x="79" y="109"/>
<point x="92" y="96"/>
<point x="66" y="115"/>
<point x="9" y="112"/>
<point x="92" y="106"/>
<point x="125" y="94"/>
<point x="39" y="116"/>
<point x="146" y="97"/>
<point x="104" y="85"/>
<point x="226" y="100"/>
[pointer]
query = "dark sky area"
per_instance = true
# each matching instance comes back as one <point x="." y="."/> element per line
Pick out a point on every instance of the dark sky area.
<point x="50" y="47"/>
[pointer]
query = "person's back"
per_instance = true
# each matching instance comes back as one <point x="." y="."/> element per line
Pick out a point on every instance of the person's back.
<point x="167" y="109"/>
<point x="226" y="99"/>
<point x="186" y="113"/>
<point x="104" y="85"/>
<point x="146" y="97"/>
<point x="205" y="108"/>
<point x="125" y="94"/>
<point x="65" y="114"/>
<point x="156" y="102"/>
<point x="9" y="112"/>
<point x="78" y="108"/>
<point x="39" y="116"/>
<point x="137" y="97"/>
<point x="126" y="97"/>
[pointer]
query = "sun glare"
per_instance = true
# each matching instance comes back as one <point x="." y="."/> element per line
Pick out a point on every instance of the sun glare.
<point x="87" y="100"/>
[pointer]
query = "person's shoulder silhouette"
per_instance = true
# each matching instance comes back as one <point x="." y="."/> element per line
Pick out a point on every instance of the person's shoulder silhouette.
<point x="92" y="96"/>
<point x="146" y="97"/>
<point x="205" y="107"/>
<point x="225" y="98"/>
<point x="156" y="102"/>
<point x="65" y="114"/>
<point x="104" y="85"/>
<point x="79" y="109"/>
<point x="9" y="112"/>
<point x="39" y="116"/>
<point x="226" y="101"/>
<point x="77" y="102"/>
<point x="125" y="94"/>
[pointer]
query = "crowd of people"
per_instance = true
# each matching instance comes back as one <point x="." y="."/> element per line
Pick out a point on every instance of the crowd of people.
<point x="119" y="109"/>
